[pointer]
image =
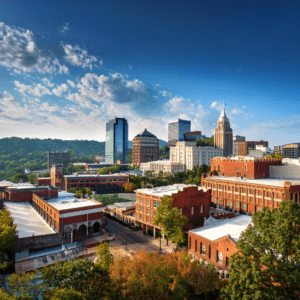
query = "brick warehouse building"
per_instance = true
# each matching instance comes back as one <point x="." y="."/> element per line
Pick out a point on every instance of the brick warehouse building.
<point x="246" y="167"/>
<point x="215" y="242"/>
<point x="101" y="184"/>
<point x="247" y="195"/>
<point x="193" y="201"/>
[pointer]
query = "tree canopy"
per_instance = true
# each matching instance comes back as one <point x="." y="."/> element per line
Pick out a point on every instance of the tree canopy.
<point x="267" y="265"/>
<point x="171" y="220"/>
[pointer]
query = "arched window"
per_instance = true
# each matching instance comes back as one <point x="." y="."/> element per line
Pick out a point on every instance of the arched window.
<point x="227" y="261"/>
<point x="195" y="245"/>
<point x="201" y="209"/>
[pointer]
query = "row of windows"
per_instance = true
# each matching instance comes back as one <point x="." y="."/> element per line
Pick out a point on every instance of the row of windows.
<point x="155" y="203"/>
<point x="202" y="250"/>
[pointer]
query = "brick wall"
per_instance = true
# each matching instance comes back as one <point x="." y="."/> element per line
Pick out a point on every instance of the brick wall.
<point x="225" y="245"/>
<point x="44" y="181"/>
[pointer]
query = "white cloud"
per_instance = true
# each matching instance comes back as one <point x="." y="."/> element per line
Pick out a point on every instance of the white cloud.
<point x="48" y="82"/>
<point x="60" y="89"/>
<point x="165" y="93"/>
<point x="71" y="83"/>
<point x="37" y="91"/>
<point x="65" y="28"/>
<point x="18" y="50"/>
<point x="236" y="111"/>
<point x="130" y="67"/>
<point x="214" y="104"/>
<point x="78" y="57"/>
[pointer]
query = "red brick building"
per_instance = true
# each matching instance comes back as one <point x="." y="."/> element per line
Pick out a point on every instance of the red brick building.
<point x="215" y="242"/>
<point x="243" y="147"/>
<point x="245" y="167"/>
<point x="193" y="202"/>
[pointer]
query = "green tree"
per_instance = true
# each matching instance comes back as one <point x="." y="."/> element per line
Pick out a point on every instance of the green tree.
<point x="20" y="176"/>
<point x="267" y="265"/>
<point x="32" y="178"/>
<point x="105" y="259"/>
<point x="88" y="191"/>
<point x="79" y="193"/>
<point x="23" y="285"/>
<point x="171" y="220"/>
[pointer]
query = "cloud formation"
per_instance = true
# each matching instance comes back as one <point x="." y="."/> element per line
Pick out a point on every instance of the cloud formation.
<point x="60" y="89"/>
<point x="78" y="57"/>
<point x="65" y="28"/>
<point x="37" y="91"/>
<point x="19" y="51"/>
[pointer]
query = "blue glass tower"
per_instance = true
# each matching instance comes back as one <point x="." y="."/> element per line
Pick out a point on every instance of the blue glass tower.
<point x="116" y="144"/>
<point x="177" y="131"/>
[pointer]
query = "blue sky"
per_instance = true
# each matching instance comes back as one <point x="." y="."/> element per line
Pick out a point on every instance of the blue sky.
<point x="66" y="67"/>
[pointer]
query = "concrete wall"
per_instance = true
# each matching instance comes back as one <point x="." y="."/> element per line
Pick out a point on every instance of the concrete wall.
<point x="285" y="171"/>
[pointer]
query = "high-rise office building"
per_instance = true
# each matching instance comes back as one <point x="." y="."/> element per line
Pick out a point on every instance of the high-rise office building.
<point x="177" y="130"/>
<point x="145" y="148"/>
<point x="223" y="134"/>
<point x="236" y="139"/>
<point x="116" y="144"/>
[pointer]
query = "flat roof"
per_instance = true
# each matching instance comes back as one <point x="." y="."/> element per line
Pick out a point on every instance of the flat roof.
<point x="262" y="181"/>
<point x="214" y="229"/>
<point x="22" y="186"/>
<point x="167" y="190"/>
<point x="124" y="205"/>
<point x="28" y="221"/>
<point x="95" y="175"/>
<point x="68" y="201"/>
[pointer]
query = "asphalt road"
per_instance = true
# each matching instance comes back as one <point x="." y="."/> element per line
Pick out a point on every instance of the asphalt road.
<point x="133" y="239"/>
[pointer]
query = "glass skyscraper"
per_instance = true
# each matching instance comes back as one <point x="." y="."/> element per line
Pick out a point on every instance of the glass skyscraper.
<point x="177" y="131"/>
<point x="116" y="144"/>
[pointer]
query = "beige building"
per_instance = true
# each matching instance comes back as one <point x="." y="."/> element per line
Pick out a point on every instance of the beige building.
<point x="290" y="169"/>
<point x="188" y="154"/>
<point x="223" y="138"/>
<point x="162" y="165"/>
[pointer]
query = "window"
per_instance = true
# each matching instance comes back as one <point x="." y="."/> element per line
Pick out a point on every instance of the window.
<point x="192" y="210"/>
<point x="148" y="219"/>
<point x="181" y="211"/>
<point x="215" y="200"/>
<point x="245" y="168"/>
<point x="245" y="206"/>
<point x="229" y="188"/>
<point x="158" y="204"/>
<point x="242" y="190"/>
<point x="236" y="189"/>
<point x="141" y="209"/>
<point x="201" y="209"/>
<point x="237" y="205"/>
<point x="230" y="204"/>
<point x="227" y="249"/>
<point x="250" y="191"/>
<point x="148" y="211"/>
<point x="203" y="249"/>
<point x="196" y="245"/>
<point x="267" y="194"/>
<point x="141" y="217"/>
<point x="221" y="202"/>
<point x="148" y="202"/>
<point x="227" y="262"/>
<point x="141" y="200"/>
<point x="154" y="204"/>
<point x="190" y="243"/>
<point x="154" y="213"/>
<point x="277" y="196"/>
<point x="257" y="193"/>
<point x="220" y="257"/>
<point x="209" y="252"/>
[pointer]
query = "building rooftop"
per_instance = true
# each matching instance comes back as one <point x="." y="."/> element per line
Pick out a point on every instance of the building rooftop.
<point x="95" y="175"/>
<point x="124" y="205"/>
<point x="5" y="183"/>
<point x="167" y="190"/>
<point x="214" y="229"/>
<point x="22" y="186"/>
<point x="145" y="133"/>
<point x="68" y="201"/>
<point x="28" y="221"/>
<point x="262" y="181"/>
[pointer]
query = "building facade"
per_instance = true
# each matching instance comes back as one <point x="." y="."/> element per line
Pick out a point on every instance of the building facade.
<point x="223" y="135"/>
<point x="62" y="158"/>
<point x="193" y="136"/>
<point x="176" y="131"/>
<point x="162" y="165"/>
<point x="116" y="144"/>
<point x="188" y="154"/>
<point x="193" y="202"/>
<point x="145" y="148"/>
<point x="243" y="148"/>
<point x="215" y="242"/>
<point x="291" y="150"/>
<point x="245" y="167"/>
<point x="237" y="138"/>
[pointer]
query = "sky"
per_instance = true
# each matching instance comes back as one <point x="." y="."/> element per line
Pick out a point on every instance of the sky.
<point x="67" y="67"/>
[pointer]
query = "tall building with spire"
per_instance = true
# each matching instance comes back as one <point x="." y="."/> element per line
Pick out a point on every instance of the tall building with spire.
<point x="223" y="134"/>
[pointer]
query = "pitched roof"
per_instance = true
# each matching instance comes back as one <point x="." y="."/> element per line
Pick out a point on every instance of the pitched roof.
<point x="145" y="133"/>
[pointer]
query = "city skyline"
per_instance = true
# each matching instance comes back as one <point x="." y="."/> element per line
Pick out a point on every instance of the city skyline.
<point x="66" y="68"/>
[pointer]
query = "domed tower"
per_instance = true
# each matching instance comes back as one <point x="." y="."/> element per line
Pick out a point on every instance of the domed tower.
<point x="223" y="134"/>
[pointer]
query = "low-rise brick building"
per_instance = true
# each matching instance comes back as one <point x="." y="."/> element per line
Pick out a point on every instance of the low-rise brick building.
<point x="246" y="167"/>
<point x="193" y="202"/>
<point x="215" y="242"/>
